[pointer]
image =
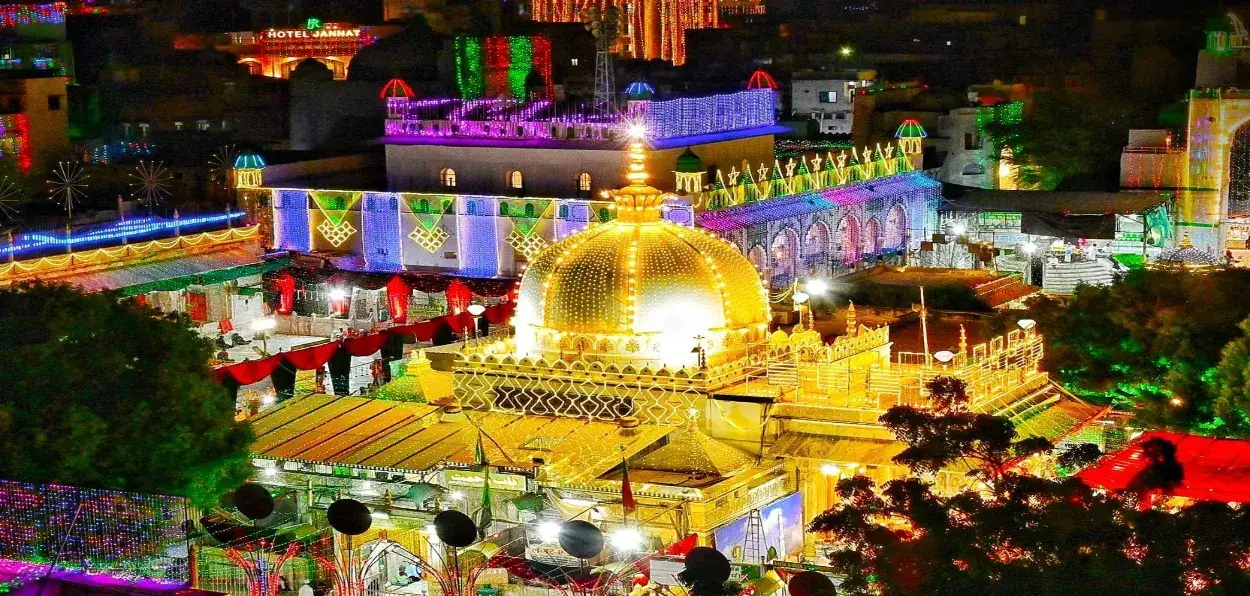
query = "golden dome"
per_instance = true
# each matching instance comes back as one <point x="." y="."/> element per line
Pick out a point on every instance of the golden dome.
<point x="640" y="290"/>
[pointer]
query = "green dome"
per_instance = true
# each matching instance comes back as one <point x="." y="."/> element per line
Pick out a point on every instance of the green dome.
<point x="689" y="163"/>
<point x="1218" y="23"/>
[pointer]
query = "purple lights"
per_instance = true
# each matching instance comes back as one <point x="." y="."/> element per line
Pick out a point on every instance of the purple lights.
<point x="758" y="212"/>
<point x="509" y="119"/>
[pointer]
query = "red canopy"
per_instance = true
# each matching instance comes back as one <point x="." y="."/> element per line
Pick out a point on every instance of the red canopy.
<point x="252" y="371"/>
<point x="1215" y="469"/>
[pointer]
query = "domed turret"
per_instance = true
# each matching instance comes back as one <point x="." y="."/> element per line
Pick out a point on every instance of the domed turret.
<point x="689" y="163"/>
<point x="640" y="290"/>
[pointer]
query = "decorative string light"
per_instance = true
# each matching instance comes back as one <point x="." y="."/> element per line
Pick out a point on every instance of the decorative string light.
<point x="29" y="244"/>
<point x="290" y="217"/>
<point x="14" y="15"/>
<point x="151" y="183"/>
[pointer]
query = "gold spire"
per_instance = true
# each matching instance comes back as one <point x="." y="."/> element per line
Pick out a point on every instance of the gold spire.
<point x="1186" y="242"/>
<point x="852" y="323"/>
<point x="963" y="340"/>
<point x="638" y="201"/>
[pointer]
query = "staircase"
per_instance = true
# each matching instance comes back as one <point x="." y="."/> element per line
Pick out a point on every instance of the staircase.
<point x="1062" y="278"/>
<point x="785" y="374"/>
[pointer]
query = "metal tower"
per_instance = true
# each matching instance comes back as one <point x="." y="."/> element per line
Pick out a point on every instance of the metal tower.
<point x="605" y="26"/>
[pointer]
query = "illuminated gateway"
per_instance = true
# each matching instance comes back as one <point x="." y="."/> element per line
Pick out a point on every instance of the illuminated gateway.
<point x="654" y="29"/>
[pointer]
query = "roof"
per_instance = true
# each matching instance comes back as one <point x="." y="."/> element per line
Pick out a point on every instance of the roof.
<point x="1215" y="469"/>
<point x="837" y="449"/>
<point x="965" y="199"/>
<point x="412" y="437"/>
<point x="161" y="274"/>
<point x="743" y="216"/>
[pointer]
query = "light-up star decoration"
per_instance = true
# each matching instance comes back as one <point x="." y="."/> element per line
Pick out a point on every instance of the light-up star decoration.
<point x="220" y="164"/>
<point x="10" y="198"/>
<point x="67" y="184"/>
<point x="151" y="183"/>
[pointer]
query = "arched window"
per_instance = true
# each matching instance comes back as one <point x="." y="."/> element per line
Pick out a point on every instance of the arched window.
<point x="529" y="210"/>
<point x="583" y="182"/>
<point x="974" y="169"/>
<point x="471" y="208"/>
<point x="503" y="209"/>
<point x="564" y="211"/>
<point x="447" y="177"/>
<point x="603" y="214"/>
<point x="424" y="206"/>
<point x="516" y="179"/>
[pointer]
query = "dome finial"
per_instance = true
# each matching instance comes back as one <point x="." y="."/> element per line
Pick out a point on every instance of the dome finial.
<point x="638" y="201"/>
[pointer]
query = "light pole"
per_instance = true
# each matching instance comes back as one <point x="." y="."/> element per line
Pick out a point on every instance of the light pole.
<point x="260" y="329"/>
<point x="476" y="311"/>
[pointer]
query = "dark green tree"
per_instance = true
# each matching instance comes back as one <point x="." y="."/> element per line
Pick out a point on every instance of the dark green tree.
<point x="1074" y="140"/>
<point x="107" y="393"/>
<point x="1027" y="535"/>
<point x="1152" y="343"/>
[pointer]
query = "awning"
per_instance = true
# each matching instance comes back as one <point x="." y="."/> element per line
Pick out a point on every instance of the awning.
<point x="1215" y="469"/>
<point x="837" y="449"/>
<point x="174" y="274"/>
<point x="402" y="436"/>
<point x="1058" y="419"/>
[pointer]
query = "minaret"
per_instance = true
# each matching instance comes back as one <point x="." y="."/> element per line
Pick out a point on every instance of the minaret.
<point x="852" y="323"/>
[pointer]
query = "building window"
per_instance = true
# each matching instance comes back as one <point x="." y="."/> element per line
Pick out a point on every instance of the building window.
<point x="974" y="169"/>
<point x="516" y="179"/>
<point x="971" y="141"/>
<point x="583" y="182"/>
<point x="447" y="177"/>
<point x="471" y="208"/>
<point x="573" y="61"/>
<point x="177" y="125"/>
<point x="201" y="125"/>
<point x="564" y="211"/>
<point x="828" y="97"/>
<point x="54" y="102"/>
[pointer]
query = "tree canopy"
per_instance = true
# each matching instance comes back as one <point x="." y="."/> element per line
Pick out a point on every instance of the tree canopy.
<point x="1023" y="534"/>
<point x="104" y="393"/>
<point x="1154" y="343"/>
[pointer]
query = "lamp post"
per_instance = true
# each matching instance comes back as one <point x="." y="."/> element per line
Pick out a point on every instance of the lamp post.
<point x="476" y="311"/>
<point x="945" y="357"/>
<point x="260" y="329"/>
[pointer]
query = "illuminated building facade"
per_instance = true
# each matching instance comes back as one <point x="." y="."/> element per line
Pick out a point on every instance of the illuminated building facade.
<point x="276" y="52"/>
<point x="632" y="349"/>
<point x="653" y="29"/>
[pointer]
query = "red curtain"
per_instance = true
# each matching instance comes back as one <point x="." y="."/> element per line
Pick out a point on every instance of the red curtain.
<point x="284" y="285"/>
<point x="499" y="313"/>
<point x="397" y="293"/>
<point x="364" y="346"/>
<point x="197" y="307"/>
<point x="252" y="371"/>
<point x="249" y="371"/>
<point x="311" y="358"/>
<point x="458" y="297"/>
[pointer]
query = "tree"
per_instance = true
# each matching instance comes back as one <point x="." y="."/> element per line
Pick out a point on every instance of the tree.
<point x="1075" y="139"/>
<point x="1027" y="535"/>
<point x="107" y="393"/>
<point x="1154" y="343"/>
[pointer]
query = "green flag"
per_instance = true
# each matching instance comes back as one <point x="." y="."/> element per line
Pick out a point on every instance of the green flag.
<point x="485" y="517"/>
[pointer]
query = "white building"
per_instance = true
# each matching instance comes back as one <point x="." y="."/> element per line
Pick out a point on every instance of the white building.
<point x="827" y="100"/>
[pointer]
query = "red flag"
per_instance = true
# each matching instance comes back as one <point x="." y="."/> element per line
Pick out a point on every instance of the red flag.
<point x="627" y="493"/>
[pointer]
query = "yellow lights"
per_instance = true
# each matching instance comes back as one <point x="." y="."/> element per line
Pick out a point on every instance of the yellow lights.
<point x="830" y="469"/>
<point x="637" y="131"/>
<point x="637" y="175"/>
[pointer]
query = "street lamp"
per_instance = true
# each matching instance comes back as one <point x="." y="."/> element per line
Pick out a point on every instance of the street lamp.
<point x="816" y="287"/>
<point x="476" y="311"/>
<point x="1026" y="324"/>
<point x="959" y="229"/>
<point x="845" y="51"/>
<point x="260" y="330"/>
<point x="944" y="356"/>
<point x="626" y="539"/>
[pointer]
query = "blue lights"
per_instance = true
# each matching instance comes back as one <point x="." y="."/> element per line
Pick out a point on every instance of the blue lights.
<point x="382" y="236"/>
<point x="31" y="243"/>
<point x="290" y="219"/>
<point x="249" y="160"/>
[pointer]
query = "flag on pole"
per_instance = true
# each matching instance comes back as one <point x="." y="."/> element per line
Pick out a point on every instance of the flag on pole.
<point x="485" y="516"/>
<point x="627" y="493"/>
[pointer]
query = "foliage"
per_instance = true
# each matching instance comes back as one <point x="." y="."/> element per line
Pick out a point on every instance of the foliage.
<point x="1027" y="535"/>
<point x="1232" y="379"/>
<point x="1074" y="138"/>
<point x="106" y="393"/>
<point x="1152" y="342"/>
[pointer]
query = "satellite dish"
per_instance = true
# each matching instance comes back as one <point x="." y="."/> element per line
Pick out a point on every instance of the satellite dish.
<point x="581" y="539"/>
<point x="253" y="501"/>
<point x="812" y="583"/>
<point x="349" y="516"/>
<point x="705" y="564"/>
<point x="455" y="528"/>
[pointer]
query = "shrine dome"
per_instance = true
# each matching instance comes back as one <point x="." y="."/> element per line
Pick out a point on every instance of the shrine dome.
<point x="640" y="290"/>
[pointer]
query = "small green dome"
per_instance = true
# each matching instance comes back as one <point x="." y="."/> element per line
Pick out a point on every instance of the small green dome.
<point x="689" y="163"/>
<point x="1219" y="23"/>
<point x="249" y="160"/>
